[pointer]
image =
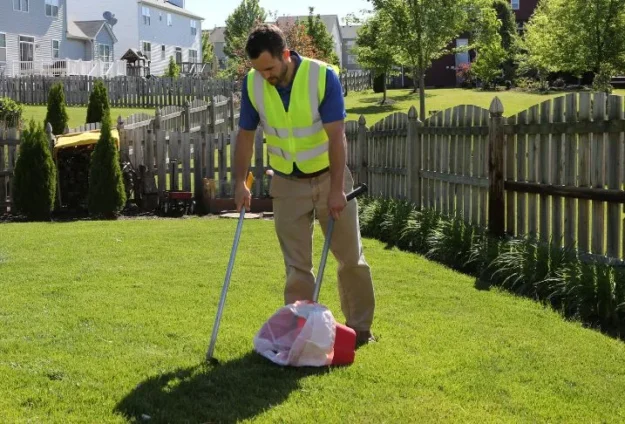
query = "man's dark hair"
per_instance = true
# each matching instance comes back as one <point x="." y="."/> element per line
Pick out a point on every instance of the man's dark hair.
<point x="265" y="37"/>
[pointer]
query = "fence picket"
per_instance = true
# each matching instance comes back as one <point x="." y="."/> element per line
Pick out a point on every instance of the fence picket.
<point x="596" y="175"/>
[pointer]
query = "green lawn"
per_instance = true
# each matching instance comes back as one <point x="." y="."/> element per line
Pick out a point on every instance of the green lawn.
<point x="77" y="115"/>
<point x="365" y="102"/>
<point x="106" y="321"/>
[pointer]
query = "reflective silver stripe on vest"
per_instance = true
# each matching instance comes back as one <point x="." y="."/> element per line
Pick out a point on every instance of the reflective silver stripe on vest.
<point x="313" y="84"/>
<point x="301" y="156"/>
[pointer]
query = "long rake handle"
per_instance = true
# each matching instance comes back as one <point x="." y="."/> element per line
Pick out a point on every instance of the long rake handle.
<point x="326" y="245"/>
<point x="224" y="290"/>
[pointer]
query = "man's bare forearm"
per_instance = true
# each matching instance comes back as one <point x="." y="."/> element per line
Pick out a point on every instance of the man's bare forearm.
<point x="337" y="152"/>
<point x="243" y="151"/>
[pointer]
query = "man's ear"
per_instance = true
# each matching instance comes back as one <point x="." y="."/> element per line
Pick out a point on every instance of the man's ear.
<point x="286" y="54"/>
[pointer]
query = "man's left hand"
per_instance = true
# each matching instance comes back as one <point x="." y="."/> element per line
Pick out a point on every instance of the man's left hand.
<point x="336" y="203"/>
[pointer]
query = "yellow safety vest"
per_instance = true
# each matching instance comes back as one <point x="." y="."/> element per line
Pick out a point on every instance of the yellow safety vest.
<point x="296" y="136"/>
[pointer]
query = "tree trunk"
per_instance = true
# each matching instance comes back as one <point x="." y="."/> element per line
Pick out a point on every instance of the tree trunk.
<point x="415" y="79"/>
<point x="422" y="94"/>
<point x="384" y="93"/>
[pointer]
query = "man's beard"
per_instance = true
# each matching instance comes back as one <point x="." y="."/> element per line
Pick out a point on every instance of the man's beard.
<point x="281" y="78"/>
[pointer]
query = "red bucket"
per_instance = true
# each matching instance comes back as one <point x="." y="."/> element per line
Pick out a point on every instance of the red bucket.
<point x="344" y="343"/>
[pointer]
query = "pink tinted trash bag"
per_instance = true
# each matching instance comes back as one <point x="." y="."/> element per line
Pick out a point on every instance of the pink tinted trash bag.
<point x="286" y="339"/>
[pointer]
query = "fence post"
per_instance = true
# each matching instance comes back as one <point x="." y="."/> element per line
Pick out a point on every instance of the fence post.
<point x="51" y="138"/>
<point x="187" y="116"/>
<point x="213" y="115"/>
<point x="413" y="157"/>
<point x="361" y="142"/>
<point x="231" y="111"/>
<point x="123" y="140"/>
<point x="496" y="203"/>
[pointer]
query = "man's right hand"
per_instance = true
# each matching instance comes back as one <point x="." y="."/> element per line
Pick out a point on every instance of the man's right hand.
<point x="242" y="196"/>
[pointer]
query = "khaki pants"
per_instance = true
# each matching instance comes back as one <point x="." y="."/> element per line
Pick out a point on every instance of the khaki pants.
<point x="296" y="203"/>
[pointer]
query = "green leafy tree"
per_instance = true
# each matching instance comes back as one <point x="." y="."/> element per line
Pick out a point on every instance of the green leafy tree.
<point x="488" y="43"/>
<point x="510" y="38"/>
<point x="374" y="48"/>
<point x="578" y="36"/>
<point x="107" y="195"/>
<point x="57" y="113"/>
<point x="239" y="24"/>
<point x="423" y="31"/>
<point x="34" y="181"/>
<point x="98" y="103"/>
<point x="321" y="38"/>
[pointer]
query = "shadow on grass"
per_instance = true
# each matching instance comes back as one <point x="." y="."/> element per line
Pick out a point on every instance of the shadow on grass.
<point x="227" y="393"/>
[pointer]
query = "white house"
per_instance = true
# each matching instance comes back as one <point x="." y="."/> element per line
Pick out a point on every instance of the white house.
<point x="37" y="38"/>
<point x="160" y="29"/>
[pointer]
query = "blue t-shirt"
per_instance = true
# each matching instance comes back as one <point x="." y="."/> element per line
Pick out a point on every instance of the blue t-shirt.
<point x="331" y="109"/>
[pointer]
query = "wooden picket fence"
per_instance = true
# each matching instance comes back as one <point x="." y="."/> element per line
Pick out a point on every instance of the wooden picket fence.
<point x="554" y="171"/>
<point x="139" y="92"/>
<point x="136" y="92"/>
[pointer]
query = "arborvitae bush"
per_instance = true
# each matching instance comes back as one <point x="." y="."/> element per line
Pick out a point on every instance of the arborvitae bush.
<point x="172" y="71"/>
<point x="57" y="113"/>
<point x="98" y="103"/>
<point x="107" y="195"/>
<point x="34" y="181"/>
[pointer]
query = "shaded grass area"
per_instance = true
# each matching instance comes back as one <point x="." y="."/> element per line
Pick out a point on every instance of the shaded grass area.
<point x="106" y="321"/>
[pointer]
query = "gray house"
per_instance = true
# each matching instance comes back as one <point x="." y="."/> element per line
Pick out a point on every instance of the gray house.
<point x="37" y="38"/>
<point x="217" y="38"/>
<point x="350" y="35"/>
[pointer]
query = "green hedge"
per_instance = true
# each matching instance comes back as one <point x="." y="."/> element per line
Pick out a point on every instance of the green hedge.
<point x="34" y="181"/>
<point x="591" y="293"/>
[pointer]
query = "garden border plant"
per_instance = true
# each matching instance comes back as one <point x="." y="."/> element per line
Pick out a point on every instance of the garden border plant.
<point x="591" y="293"/>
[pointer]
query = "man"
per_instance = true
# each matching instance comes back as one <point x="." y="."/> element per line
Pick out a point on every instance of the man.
<point x="299" y="103"/>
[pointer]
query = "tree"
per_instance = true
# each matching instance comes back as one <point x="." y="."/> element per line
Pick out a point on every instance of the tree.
<point x="488" y="44"/>
<point x="509" y="36"/>
<point x="107" y="195"/>
<point x="57" y="113"/>
<point x="208" y="53"/>
<point x="578" y="36"/>
<point x="321" y="38"/>
<point x="239" y="24"/>
<point x="34" y="181"/>
<point x="374" y="48"/>
<point x="297" y="39"/>
<point x="424" y="29"/>
<point x="173" y="70"/>
<point x="98" y="103"/>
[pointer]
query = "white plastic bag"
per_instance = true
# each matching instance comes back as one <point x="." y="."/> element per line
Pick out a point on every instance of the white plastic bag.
<point x="282" y="341"/>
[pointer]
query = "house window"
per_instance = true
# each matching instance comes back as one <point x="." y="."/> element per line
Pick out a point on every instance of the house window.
<point x="21" y="5"/>
<point x="52" y="8"/>
<point x="145" y="11"/>
<point x="163" y="52"/>
<point x="3" y="47"/>
<point x="193" y="27"/>
<point x="104" y="52"/>
<point x="178" y="55"/>
<point x="193" y="56"/>
<point x="169" y="20"/>
<point x="56" y="44"/>
<point x="146" y="48"/>
<point x="515" y="4"/>
<point x="27" y="49"/>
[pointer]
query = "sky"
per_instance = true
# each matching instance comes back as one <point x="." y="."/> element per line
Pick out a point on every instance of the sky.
<point x="216" y="12"/>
